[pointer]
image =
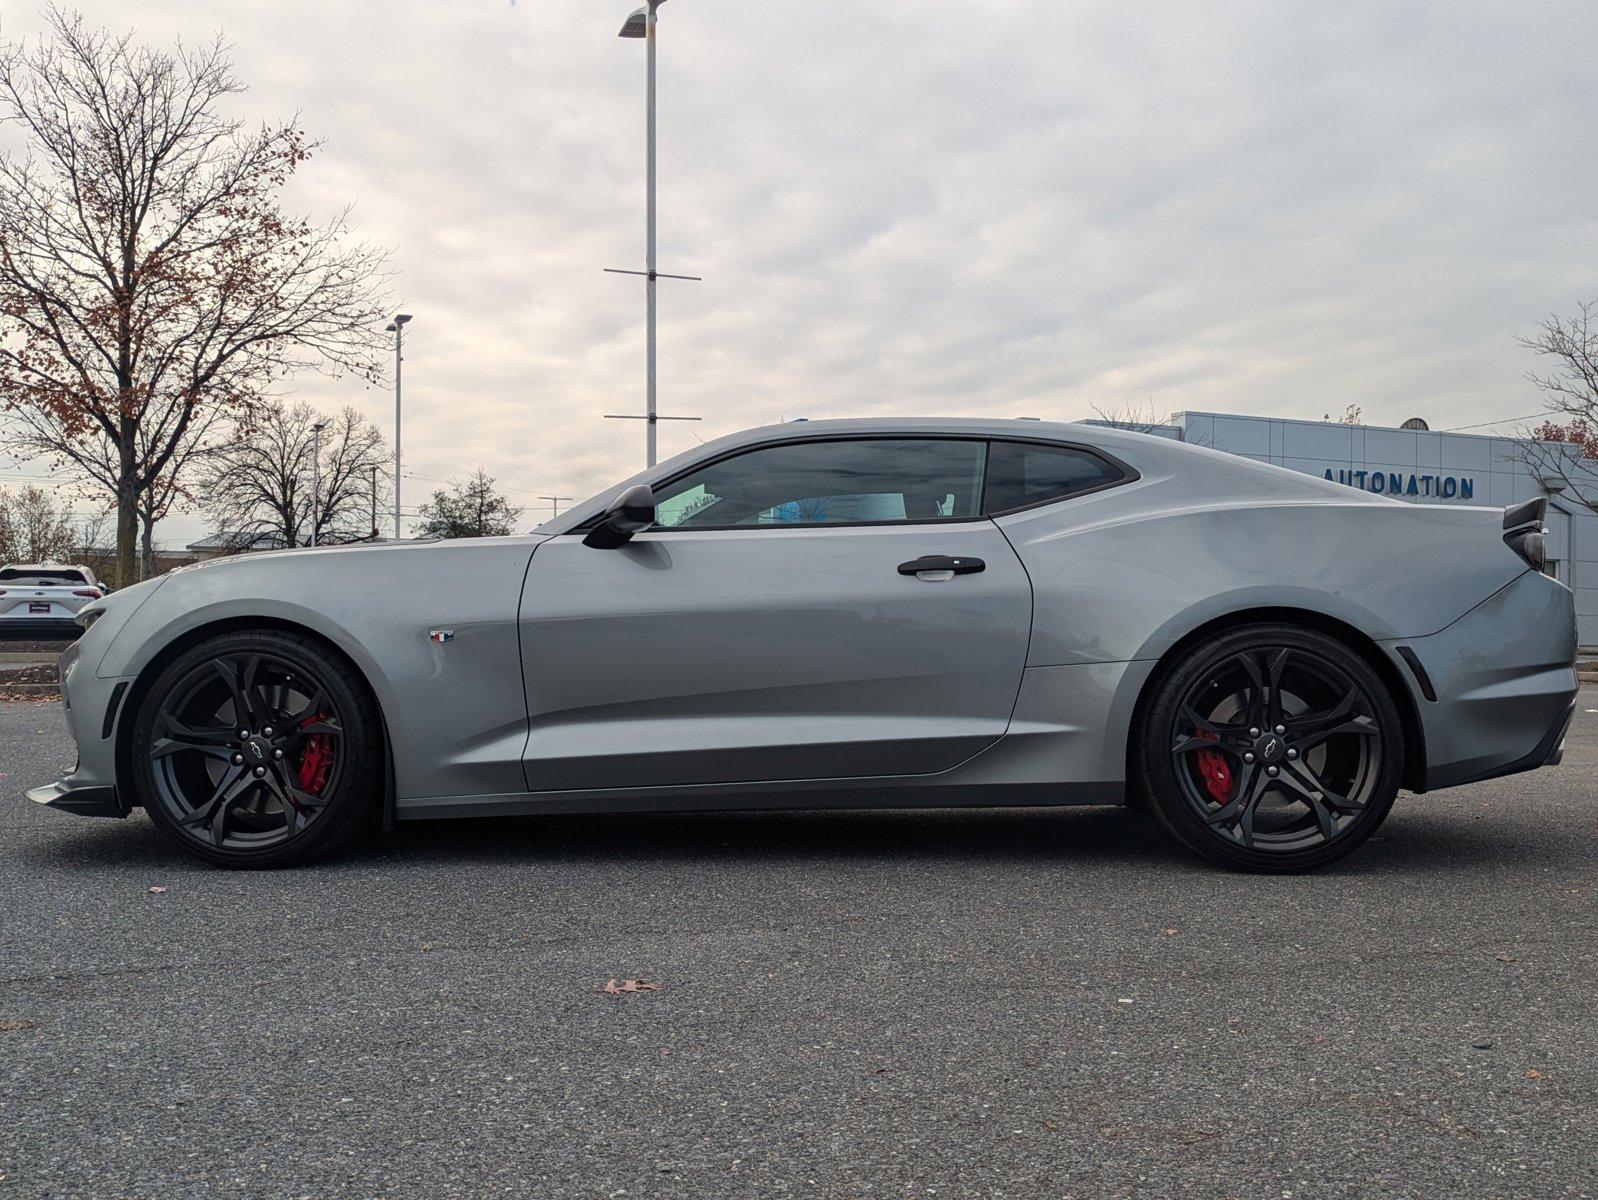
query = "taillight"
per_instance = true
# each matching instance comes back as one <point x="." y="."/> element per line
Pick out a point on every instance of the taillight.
<point x="1531" y="546"/>
<point x="91" y="593"/>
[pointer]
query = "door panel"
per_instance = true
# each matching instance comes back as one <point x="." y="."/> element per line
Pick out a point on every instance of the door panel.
<point x="743" y="655"/>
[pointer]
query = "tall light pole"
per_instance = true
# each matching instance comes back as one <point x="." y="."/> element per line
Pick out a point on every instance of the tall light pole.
<point x="316" y="478"/>
<point x="554" y="504"/>
<point x="397" y="328"/>
<point x="640" y="23"/>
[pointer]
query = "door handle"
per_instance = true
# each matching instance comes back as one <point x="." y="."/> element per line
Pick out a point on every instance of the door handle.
<point x="942" y="562"/>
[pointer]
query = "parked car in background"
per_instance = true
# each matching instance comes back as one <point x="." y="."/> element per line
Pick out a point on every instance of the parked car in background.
<point x="43" y="599"/>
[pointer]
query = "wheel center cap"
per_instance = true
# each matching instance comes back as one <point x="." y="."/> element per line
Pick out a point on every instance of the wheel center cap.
<point x="1270" y="748"/>
<point x="257" y="752"/>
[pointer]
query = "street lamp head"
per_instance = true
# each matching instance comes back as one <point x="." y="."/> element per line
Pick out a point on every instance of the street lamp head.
<point x="401" y="318"/>
<point x="319" y="428"/>
<point x="637" y="24"/>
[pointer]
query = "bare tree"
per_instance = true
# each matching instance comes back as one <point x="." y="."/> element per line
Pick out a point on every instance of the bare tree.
<point x="170" y="489"/>
<point x="1562" y="450"/>
<point x="471" y="508"/>
<point x="33" y="528"/>
<point x="90" y="544"/>
<point x="258" y="489"/>
<point x="147" y="272"/>
<point x="1143" y="417"/>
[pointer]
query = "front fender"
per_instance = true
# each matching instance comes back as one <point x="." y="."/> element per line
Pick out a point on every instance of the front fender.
<point x="455" y="711"/>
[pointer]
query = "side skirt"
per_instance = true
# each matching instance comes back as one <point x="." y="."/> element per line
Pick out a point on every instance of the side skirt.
<point x="878" y="795"/>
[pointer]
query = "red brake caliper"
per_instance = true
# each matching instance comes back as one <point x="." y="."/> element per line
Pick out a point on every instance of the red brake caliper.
<point x="317" y="760"/>
<point x="1216" y="770"/>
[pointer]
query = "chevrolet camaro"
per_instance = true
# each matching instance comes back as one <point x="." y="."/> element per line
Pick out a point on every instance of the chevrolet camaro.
<point x="848" y="613"/>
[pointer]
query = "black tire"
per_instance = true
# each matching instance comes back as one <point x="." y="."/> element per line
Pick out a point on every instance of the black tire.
<point x="298" y="777"/>
<point x="1289" y="791"/>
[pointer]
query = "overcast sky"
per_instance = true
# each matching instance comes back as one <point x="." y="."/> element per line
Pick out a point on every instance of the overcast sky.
<point x="995" y="207"/>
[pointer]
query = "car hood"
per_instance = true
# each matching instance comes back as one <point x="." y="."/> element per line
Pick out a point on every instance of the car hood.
<point x="362" y="555"/>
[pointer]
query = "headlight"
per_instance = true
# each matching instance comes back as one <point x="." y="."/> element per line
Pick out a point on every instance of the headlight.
<point x="89" y="614"/>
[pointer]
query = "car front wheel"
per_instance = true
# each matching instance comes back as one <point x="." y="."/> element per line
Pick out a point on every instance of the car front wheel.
<point x="1271" y="748"/>
<point x="258" y="749"/>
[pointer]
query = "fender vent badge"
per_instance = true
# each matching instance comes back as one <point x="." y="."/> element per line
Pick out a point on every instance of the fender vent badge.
<point x="441" y="635"/>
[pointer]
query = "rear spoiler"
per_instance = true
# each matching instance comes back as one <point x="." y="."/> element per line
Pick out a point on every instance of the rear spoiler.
<point x="1527" y="512"/>
<point x="1524" y="530"/>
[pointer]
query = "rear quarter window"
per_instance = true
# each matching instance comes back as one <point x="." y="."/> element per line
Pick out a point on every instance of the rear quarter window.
<point x="1022" y="474"/>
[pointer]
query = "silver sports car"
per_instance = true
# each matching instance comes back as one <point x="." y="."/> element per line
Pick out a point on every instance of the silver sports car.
<point x="848" y="613"/>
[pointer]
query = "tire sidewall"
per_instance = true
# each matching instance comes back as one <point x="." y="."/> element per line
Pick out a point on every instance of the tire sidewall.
<point x="1157" y="772"/>
<point x="354" y="798"/>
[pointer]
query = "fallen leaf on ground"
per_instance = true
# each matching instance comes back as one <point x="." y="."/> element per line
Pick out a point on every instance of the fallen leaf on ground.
<point x="1506" y="958"/>
<point x="612" y="988"/>
<point x="12" y="1024"/>
<point x="157" y="889"/>
<point x="1168" y="932"/>
<point x="1534" y="1074"/>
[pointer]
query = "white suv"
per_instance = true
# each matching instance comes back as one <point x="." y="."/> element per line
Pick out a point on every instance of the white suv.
<point x="43" y="599"/>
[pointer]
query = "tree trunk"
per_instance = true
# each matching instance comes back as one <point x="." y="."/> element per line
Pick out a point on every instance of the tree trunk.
<point x="127" y="504"/>
<point x="127" y="537"/>
<point x="147" y="550"/>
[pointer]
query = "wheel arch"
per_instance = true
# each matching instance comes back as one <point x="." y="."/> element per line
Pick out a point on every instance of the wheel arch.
<point x="1355" y="639"/>
<point x="151" y="670"/>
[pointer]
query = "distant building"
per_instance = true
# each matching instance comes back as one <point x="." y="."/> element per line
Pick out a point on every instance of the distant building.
<point x="102" y="560"/>
<point x="222" y="543"/>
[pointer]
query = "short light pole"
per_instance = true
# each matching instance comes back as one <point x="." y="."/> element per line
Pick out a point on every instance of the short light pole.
<point x="397" y="328"/>
<point x="554" y="504"/>
<point x="374" y="502"/>
<point x="640" y="23"/>
<point x="316" y="477"/>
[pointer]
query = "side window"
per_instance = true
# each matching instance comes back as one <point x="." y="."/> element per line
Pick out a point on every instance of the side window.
<point x="830" y="482"/>
<point x="1021" y="474"/>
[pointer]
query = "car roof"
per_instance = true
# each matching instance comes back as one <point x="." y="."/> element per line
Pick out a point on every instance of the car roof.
<point x="1203" y="468"/>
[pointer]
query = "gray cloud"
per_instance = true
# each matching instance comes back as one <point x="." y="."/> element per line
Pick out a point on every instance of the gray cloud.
<point x="999" y="207"/>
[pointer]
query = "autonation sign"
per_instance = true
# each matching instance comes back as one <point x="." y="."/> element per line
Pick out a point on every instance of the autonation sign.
<point x="1396" y="483"/>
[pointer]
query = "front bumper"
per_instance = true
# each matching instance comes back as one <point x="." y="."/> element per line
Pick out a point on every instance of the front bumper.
<point x="87" y="800"/>
<point x="93" y="708"/>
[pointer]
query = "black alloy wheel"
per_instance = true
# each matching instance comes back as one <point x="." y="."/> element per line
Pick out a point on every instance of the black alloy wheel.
<point x="258" y="749"/>
<point x="1271" y="748"/>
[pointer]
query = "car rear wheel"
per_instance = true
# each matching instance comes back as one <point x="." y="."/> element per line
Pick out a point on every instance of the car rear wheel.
<point x="1271" y="748"/>
<point x="258" y="749"/>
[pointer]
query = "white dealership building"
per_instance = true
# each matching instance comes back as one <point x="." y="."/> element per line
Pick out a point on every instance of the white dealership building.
<point x="1421" y="466"/>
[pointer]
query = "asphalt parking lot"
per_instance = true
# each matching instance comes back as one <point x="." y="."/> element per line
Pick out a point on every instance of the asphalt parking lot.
<point x="954" y="1004"/>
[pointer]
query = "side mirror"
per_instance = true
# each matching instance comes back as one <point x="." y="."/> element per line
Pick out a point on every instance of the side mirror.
<point x="631" y="512"/>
